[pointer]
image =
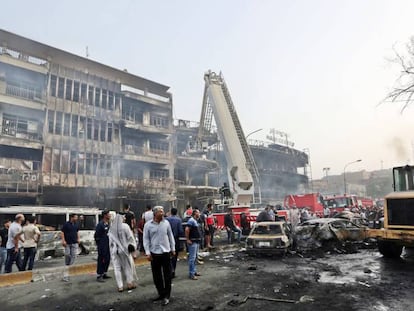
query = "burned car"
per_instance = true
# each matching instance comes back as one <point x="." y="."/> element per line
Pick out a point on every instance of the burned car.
<point x="269" y="237"/>
<point x="321" y="232"/>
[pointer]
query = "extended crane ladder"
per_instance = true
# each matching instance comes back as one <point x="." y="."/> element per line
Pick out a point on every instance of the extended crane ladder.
<point x="251" y="164"/>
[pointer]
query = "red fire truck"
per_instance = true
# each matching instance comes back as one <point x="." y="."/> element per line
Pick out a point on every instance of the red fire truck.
<point x="313" y="201"/>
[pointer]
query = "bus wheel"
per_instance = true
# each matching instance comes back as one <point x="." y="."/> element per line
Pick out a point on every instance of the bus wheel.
<point x="389" y="249"/>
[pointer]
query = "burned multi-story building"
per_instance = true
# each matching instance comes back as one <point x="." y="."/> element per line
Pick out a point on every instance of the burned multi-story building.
<point x="77" y="132"/>
<point x="282" y="169"/>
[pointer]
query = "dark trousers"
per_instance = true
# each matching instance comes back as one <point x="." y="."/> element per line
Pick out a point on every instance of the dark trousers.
<point x="102" y="264"/>
<point x="29" y="256"/>
<point x="12" y="257"/>
<point x="175" y="257"/>
<point x="161" y="273"/>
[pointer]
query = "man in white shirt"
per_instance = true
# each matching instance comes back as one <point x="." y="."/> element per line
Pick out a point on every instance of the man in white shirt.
<point x="13" y="244"/>
<point x="159" y="245"/>
<point x="148" y="215"/>
<point x="31" y="237"/>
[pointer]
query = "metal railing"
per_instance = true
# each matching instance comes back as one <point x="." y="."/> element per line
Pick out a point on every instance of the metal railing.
<point x="24" y="91"/>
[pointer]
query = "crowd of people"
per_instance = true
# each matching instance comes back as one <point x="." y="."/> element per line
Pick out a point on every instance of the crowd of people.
<point x="158" y="235"/>
<point x="18" y="243"/>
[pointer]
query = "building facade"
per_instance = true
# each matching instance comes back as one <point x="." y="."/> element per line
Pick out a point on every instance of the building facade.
<point x="77" y="132"/>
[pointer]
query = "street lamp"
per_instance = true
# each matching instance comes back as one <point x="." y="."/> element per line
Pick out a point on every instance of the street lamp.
<point x="258" y="130"/>
<point x="346" y="165"/>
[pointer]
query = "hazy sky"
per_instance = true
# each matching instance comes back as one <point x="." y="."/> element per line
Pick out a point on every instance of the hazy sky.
<point x="314" y="69"/>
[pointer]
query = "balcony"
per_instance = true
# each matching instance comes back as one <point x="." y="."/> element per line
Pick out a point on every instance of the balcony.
<point x="146" y="154"/>
<point x="24" y="91"/>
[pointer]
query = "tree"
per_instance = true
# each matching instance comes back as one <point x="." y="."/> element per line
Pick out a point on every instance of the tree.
<point x="403" y="90"/>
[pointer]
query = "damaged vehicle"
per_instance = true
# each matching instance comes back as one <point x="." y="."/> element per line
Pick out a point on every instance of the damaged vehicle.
<point x="269" y="237"/>
<point x="327" y="232"/>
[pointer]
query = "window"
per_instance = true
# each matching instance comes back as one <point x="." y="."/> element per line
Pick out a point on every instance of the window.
<point x="159" y="147"/>
<point x="157" y="174"/>
<point x="89" y="128"/>
<point x="117" y="101"/>
<point x="110" y="126"/>
<point x="76" y="91"/>
<point x="97" y="96"/>
<point x="104" y="98"/>
<point x="82" y="127"/>
<point x="53" y="82"/>
<point x="111" y="100"/>
<point x="103" y="131"/>
<point x="51" y="121"/>
<point x="58" y="124"/>
<point x="21" y="128"/>
<point x="64" y="165"/>
<point x="66" y="125"/>
<point x="84" y="88"/>
<point x="56" y="160"/>
<point x="73" y="158"/>
<point x="159" y="121"/>
<point x="90" y="95"/>
<point x="94" y="164"/>
<point x="74" y="131"/>
<point x="88" y="162"/>
<point x="68" y="89"/>
<point x="95" y="130"/>
<point x="9" y="125"/>
<point x="81" y="163"/>
<point x="61" y="87"/>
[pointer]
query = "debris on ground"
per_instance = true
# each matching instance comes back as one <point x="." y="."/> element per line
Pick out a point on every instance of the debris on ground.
<point x="238" y="302"/>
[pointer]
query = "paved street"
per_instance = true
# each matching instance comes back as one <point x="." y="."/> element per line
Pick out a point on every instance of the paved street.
<point x="235" y="281"/>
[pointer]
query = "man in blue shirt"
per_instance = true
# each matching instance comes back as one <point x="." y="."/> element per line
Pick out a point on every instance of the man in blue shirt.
<point x="159" y="245"/>
<point x="193" y="238"/>
<point x="177" y="230"/>
<point x="102" y="243"/>
<point x="70" y="241"/>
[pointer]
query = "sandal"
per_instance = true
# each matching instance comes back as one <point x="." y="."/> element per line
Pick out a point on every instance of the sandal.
<point x="131" y="286"/>
<point x="120" y="290"/>
<point x="193" y="278"/>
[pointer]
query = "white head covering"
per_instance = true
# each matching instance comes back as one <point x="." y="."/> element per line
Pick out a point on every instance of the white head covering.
<point x="117" y="235"/>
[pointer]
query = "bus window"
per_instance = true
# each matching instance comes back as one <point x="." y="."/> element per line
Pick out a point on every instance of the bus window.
<point x="87" y="222"/>
<point x="49" y="222"/>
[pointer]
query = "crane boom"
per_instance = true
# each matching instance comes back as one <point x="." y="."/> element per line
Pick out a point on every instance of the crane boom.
<point x="240" y="163"/>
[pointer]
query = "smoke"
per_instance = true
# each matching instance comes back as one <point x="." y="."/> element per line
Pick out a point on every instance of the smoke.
<point x="398" y="146"/>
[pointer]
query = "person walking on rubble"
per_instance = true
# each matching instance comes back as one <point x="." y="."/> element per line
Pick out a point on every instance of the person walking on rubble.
<point x="70" y="240"/>
<point x="102" y="243"/>
<point x="159" y="245"/>
<point x="122" y="246"/>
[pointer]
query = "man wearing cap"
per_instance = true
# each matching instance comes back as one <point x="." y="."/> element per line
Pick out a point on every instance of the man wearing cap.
<point x="159" y="245"/>
<point x="102" y="243"/>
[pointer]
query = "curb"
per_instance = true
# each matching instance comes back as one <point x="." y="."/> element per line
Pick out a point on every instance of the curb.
<point x="47" y="274"/>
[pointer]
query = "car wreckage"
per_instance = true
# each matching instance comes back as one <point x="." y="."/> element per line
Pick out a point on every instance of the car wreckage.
<point x="328" y="232"/>
<point x="269" y="237"/>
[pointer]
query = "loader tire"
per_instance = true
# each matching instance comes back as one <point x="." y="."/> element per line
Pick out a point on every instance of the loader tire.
<point x="389" y="249"/>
